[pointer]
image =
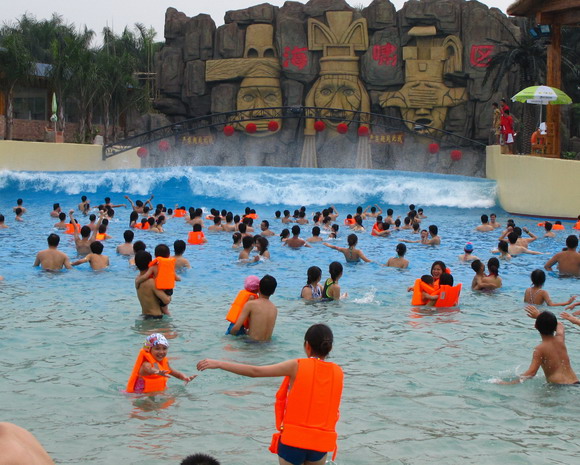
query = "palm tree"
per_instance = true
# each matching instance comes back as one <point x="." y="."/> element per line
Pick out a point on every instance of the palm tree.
<point x="17" y="68"/>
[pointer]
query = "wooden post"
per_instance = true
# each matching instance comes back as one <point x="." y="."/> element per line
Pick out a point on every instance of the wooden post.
<point x="554" y="79"/>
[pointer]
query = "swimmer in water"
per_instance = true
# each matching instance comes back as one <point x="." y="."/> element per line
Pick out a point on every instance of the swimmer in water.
<point x="468" y="255"/>
<point x="151" y="299"/>
<point x="331" y="289"/>
<point x="56" y="210"/>
<point x="261" y="244"/>
<point x="375" y="211"/>
<point x="62" y="223"/>
<point x="313" y="289"/>
<point x="481" y="281"/>
<point x="178" y="250"/>
<point x="551" y="355"/>
<point x="237" y="240"/>
<point x="351" y="254"/>
<point x="265" y="229"/>
<point x="127" y="247"/>
<point x="535" y="295"/>
<point x="295" y="242"/>
<point x="424" y="239"/>
<point x="493" y="221"/>
<point x="399" y="261"/>
<point x="287" y="218"/>
<point x="19" y="212"/>
<point x="503" y="249"/>
<point x="548" y="227"/>
<point x="260" y="312"/>
<point x="2" y="224"/>
<point x="247" y="247"/>
<point x="138" y="205"/>
<point x="19" y="204"/>
<point x="52" y="259"/>
<point x="484" y="226"/>
<point x="85" y="205"/>
<point x="568" y="260"/>
<point x="97" y="260"/>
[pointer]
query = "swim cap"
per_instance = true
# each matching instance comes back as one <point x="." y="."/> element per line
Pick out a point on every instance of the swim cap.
<point x="468" y="247"/>
<point x="156" y="339"/>
<point x="252" y="283"/>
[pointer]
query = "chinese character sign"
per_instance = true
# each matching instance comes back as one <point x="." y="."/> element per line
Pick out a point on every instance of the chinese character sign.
<point x="296" y="57"/>
<point x="385" y="55"/>
<point x="481" y="55"/>
<point x="396" y="138"/>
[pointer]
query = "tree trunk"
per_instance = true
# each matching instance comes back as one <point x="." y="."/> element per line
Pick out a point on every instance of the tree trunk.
<point x="10" y="113"/>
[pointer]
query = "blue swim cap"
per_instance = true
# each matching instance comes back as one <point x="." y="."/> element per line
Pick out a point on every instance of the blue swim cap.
<point x="468" y="247"/>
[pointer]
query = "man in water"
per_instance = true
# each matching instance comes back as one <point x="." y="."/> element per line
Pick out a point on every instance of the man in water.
<point x="484" y="226"/>
<point x="150" y="298"/>
<point x="52" y="259"/>
<point x="295" y="242"/>
<point x="19" y="205"/>
<point x="97" y="260"/>
<point x="265" y="229"/>
<point x="261" y="312"/>
<point x="568" y="260"/>
<point x="2" y="225"/>
<point x="20" y="447"/>
<point x="86" y="238"/>
<point x="551" y="354"/>
<point x="126" y="248"/>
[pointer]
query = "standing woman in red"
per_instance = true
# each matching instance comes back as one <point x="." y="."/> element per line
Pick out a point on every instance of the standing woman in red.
<point x="307" y="403"/>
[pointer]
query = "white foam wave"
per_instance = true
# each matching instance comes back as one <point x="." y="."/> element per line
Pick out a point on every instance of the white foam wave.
<point x="264" y="186"/>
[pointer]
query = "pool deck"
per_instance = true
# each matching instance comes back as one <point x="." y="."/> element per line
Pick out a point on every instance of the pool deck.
<point x="535" y="186"/>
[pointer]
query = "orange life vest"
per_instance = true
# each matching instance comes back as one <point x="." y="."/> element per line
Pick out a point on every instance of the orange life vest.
<point x="558" y="227"/>
<point x="306" y="415"/>
<point x="418" y="290"/>
<point x="179" y="213"/>
<point x="101" y="236"/>
<point x="349" y="221"/>
<point x="448" y="296"/>
<point x="195" y="237"/>
<point x="236" y="308"/>
<point x="136" y="225"/>
<point x="577" y="225"/>
<point x="70" y="228"/>
<point x="253" y="216"/>
<point x="165" y="278"/>
<point x="375" y="229"/>
<point x="153" y="383"/>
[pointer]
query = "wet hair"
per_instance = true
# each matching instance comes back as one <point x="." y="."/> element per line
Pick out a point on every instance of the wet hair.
<point x="144" y="221"/>
<point x="217" y="219"/>
<point x="411" y="207"/>
<point x="199" y="459"/>
<point x="397" y="222"/>
<point x="236" y="219"/>
<point x="407" y="221"/>
<point x="2" y="218"/>
<point x="385" y="226"/>
<point x="401" y="249"/>
<point x="247" y="242"/>
<point x="248" y="221"/>
<point x="433" y="229"/>
<point x="493" y="266"/>
<point x="546" y="323"/>
<point x="128" y="235"/>
<point x="286" y="212"/>
<point x="320" y="339"/>
<point x="390" y="212"/>
<point x="373" y="209"/>
<point x="162" y="251"/>
<point x="93" y="217"/>
<point x="224" y="212"/>
<point x="107" y="199"/>
<point x="548" y="226"/>
<point x="105" y="221"/>
<point x="416" y="226"/>
<point x="285" y="233"/>
<point x="55" y="206"/>
<point x="268" y="285"/>
<point x="358" y="219"/>
<point x="110" y="212"/>
<point x="484" y="219"/>
<point x="446" y="280"/>
<point x="102" y="229"/>
<point x="242" y="227"/>
<point x="266" y="223"/>
<point x="62" y="216"/>
<point x="352" y="240"/>
<point x="236" y="237"/>
<point x="85" y="231"/>
<point x="476" y="265"/>
<point x="296" y="230"/>
<point x="335" y="270"/>
<point x="139" y="203"/>
<point x="53" y="240"/>
<point x="151" y="221"/>
<point x="316" y="231"/>
<point x="263" y="242"/>
<point x="379" y="219"/>
<point x="229" y="217"/>
<point x="160" y="220"/>
<point x="427" y="279"/>
<point x="19" y="201"/>
<point x="277" y="213"/>
<point x="518" y="231"/>
<point x="18" y="211"/>
<point x="441" y="265"/>
<point x="572" y="241"/>
<point x="503" y="246"/>
<point x="179" y="247"/>
<point x="313" y="274"/>
<point x="335" y="228"/>
<point x="420" y="210"/>
<point x="134" y="216"/>
<point x="538" y="277"/>
<point x="142" y="259"/>
<point x="316" y="218"/>
<point x="139" y="246"/>
<point x="513" y="237"/>
<point x="97" y="247"/>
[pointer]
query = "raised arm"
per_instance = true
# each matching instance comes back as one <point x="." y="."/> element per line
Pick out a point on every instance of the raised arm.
<point x="287" y="368"/>
<point x="130" y="201"/>
<point x="72" y="220"/>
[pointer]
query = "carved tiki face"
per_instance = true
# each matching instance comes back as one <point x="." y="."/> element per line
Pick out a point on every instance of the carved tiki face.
<point x="259" y="93"/>
<point x="340" y="92"/>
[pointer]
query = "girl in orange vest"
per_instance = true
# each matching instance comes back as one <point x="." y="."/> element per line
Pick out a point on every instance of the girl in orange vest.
<point x="307" y="403"/>
<point x="152" y="369"/>
<point x="249" y="292"/>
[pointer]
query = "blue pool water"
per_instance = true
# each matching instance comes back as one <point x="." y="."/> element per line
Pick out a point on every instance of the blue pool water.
<point x="418" y="383"/>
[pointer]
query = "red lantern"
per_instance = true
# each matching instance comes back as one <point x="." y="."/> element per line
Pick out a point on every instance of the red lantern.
<point x="229" y="130"/>
<point x="163" y="145"/>
<point x="142" y="152"/>
<point x="456" y="155"/>
<point x="342" y="128"/>
<point x="251" y="128"/>
<point x="273" y="126"/>
<point x="319" y="126"/>
<point x="433" y="148"/>
<point x="363" y="131"/>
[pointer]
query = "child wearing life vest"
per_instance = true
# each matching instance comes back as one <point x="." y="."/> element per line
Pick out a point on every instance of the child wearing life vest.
<point x="249" y="292"/>
<point x="152" y="368"/>
<point x="307" y="403"/>
<point x="162" y="269"/>
<point x="196" y="237"/>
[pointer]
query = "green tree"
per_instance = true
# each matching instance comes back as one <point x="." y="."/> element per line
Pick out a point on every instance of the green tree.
<point x="16" y="68"/>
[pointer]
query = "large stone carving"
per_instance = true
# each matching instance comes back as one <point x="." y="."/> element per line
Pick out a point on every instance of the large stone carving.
<point x="424" y="99"/>
<point x="199" y="32"/>
<point x="260" y="87"/>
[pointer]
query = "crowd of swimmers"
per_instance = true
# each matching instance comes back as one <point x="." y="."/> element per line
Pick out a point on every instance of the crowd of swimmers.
<point x="311" y="384"/>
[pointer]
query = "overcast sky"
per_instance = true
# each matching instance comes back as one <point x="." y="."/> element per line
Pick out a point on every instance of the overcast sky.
<point x="120" y="13"/>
